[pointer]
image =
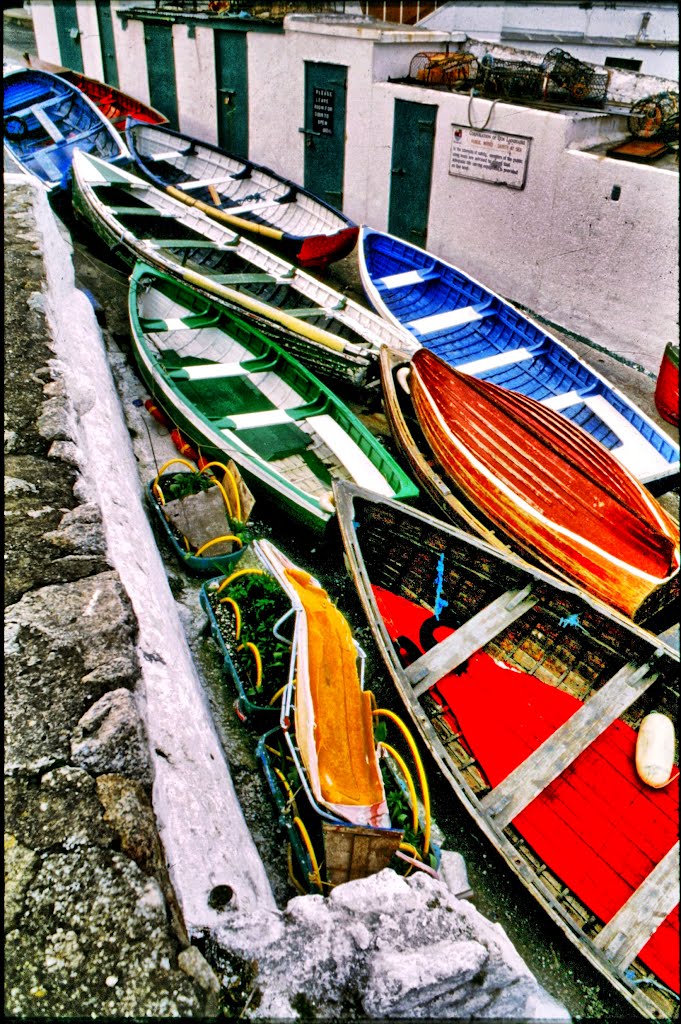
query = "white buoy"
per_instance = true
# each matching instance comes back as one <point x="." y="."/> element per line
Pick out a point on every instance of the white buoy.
<point x="403" y="378"/>
<point x="655" y="750"/>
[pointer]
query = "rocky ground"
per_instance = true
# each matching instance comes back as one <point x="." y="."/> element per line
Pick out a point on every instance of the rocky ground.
<point x="91" y="921"/>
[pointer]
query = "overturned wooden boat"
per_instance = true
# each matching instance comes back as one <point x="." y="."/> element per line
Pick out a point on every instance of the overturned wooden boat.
<point x="237" y="395"/>
<point x="46" y="120"/>
<point x="328" y="332"/>
<point x="248" y="197"/>
<point x="326" y="740"/>
<point x="479" y="333"/>
<point x="115" y="105"/>
<point x="556" y="492"/>
<point x="529" y="694"/>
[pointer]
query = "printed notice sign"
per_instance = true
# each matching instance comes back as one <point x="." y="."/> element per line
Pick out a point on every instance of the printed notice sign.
<point x="495" y="157"/>
<point x="322" y="111"/>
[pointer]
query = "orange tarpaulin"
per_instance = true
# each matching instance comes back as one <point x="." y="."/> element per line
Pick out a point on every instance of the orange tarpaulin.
<point x="343" y="730"/>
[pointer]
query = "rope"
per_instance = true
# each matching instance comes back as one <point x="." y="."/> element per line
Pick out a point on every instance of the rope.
<point x="480" y="128"/>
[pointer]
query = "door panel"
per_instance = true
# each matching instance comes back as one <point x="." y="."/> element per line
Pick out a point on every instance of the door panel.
<point x="231" y="72"/>
<point x="68" y="34"/>
<point x="411" y="170"/>
<point x="324" y="130"/>
<point x="158" y="40"/>
<point x="106" y="39"/>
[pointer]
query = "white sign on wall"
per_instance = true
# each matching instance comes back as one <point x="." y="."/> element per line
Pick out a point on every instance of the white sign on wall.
<point x="494" y="157"/>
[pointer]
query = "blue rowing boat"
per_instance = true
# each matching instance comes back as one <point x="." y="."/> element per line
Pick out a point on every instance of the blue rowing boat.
<point x="46" y="118"/>
<point x="478" y="332"/>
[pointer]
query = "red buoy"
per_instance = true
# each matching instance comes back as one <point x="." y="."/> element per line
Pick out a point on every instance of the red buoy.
<point x="183" y="447"/>
<point x="667" y="388"/>
<point x="158" y="414"/>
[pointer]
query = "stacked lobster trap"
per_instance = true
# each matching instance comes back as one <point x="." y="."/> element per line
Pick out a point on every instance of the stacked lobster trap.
<point x="559" y="78"/>
<point x="452" y="69"/>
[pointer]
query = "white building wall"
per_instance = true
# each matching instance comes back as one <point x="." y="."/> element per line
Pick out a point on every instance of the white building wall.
<point x="45" y="32"/>
<point x="89" y="39"/>
<point x="561" y="246"/>
<point x="195" y="82"/>
<point x="130" y="54"/>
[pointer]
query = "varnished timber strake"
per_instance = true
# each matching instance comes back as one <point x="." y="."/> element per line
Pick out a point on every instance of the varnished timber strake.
<point x="536" y="730"/>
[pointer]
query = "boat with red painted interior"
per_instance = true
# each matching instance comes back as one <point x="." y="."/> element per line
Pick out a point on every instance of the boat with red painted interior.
<point x="537" y="701"/>
<point x="115" y="105"/>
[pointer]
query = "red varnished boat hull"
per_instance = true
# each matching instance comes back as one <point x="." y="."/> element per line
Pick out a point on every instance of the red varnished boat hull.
<point x="115" y="105"/>
<point x="554" y="490"/>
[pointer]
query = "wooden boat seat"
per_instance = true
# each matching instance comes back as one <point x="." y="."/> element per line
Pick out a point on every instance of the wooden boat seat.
<point x="437" y="322"/>
<point x="165" y="154"/>
<point x="474" y="634"/>
<point x="193" y="243"/>
<point x="143" y="211"/>
<point x="255" y="278"/>
<point x="216" y="371"/>
<point x="49" y="126"/>
<point x="350" y="454"/>
<point x="189" y="186"/>
<point x="495" y="362"/>
<point x="251" y="207"/>
<point x="627" y="932"/>
<point x="555" y="754"/>
<point x="406" y="279"/>
<point x="188" y="323"/>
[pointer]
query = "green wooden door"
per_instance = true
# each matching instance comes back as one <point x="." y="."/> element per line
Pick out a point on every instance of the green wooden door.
<point x="106" y="40"/>
<point x="410" y="174"/>
<point x="232" y="84"/>
<point x="324" y="130"/>
<point x="158" y="41"/>
<point x="68" y="34"/>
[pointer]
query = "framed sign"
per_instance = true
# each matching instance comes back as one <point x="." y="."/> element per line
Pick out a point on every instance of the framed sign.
<point x="322" y="111"/>
<point x="494" y="157"/>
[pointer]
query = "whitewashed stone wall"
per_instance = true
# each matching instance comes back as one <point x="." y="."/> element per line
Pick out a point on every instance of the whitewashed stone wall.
<point x="561" y="247"/>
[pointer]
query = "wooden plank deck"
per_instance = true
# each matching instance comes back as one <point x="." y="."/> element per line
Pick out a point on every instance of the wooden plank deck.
<point x="554" y="755"/>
